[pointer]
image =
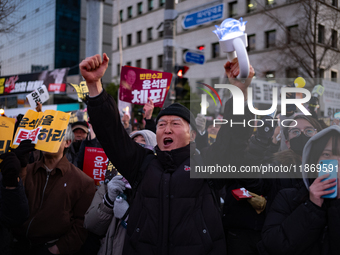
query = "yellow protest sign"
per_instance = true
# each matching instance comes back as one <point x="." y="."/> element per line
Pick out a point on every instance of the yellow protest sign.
<point x="81" y="89"/>
<point x="6" y="133"/>
<point x="45" y="129"/>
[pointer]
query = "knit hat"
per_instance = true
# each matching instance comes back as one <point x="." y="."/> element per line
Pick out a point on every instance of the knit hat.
<point x="181" y="111"/>
<point x="80" y="124"/>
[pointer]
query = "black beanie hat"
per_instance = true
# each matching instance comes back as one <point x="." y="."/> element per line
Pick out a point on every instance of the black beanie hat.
<point x="181" y="111"/>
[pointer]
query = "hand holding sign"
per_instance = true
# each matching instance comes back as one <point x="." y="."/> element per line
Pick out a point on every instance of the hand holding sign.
<point x="40" y="95"/>
<point x="93" y="69"/>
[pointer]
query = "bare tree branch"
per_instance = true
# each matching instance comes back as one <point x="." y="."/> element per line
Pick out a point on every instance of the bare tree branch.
<point x="7" y="22"/>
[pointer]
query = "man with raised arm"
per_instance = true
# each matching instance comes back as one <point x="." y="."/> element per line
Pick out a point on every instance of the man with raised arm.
<point x="171" y="213"/>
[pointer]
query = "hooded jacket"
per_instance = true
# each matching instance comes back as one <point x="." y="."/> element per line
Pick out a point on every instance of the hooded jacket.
<point x="100" y="219"/>
<point x="295" y="225"/>
<point x="171" y="213"/>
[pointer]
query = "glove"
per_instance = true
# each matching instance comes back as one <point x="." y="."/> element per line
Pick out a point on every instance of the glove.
<point x="265" y="133"/>
<point x="120" y="207"/>
<point x="115" y="187"/>
<point x="10" y="169"/>
<point x="200" y="123"/>
<point x="23" y="150"/>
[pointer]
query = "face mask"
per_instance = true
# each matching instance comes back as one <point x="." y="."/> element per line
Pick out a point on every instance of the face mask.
<point x="76" y="145"/>
<point x="298" y="143"/>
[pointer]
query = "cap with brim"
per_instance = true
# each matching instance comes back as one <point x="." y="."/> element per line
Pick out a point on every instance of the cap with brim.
<point x="80" y="125"/>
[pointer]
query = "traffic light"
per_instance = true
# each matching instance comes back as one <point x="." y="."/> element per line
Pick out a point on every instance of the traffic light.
<point x="180" y="81"/>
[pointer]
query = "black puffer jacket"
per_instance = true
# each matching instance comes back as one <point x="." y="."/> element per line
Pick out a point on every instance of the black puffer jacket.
<point x="13" y="213"/>
<point x="171" y="213"/>
<point x="297" y="226"/>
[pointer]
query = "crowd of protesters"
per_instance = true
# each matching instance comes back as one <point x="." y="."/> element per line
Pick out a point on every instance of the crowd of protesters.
<point x="148" y="204"/>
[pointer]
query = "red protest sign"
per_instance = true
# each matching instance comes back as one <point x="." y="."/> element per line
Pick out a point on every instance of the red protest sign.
<point x="137" y="84"/>
<point x="95" y="164"/>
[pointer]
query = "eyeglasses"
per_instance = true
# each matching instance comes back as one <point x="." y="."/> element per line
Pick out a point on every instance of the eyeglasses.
<point x="309" y="132"/>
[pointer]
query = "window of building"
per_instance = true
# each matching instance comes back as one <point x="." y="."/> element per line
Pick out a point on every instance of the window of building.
<point x="149" y="63"/>
<point x="139" y="63"/>
<point x="321" y="73"/>
<point x="233" y="9"/>
<point x="321" y="35"/>
<point x="140" y="8"/>
<point x="251" y="42"/>
<point x="150" y="5"/>
<point x="139" y="36"/>
<point x="270" y="38"/>
<point x="118" y="42"/>
<point x="291" y="72"/>
<point x="128" y="63"/>
<point x="161" y="3"/>
<point x="121" y="15"/>
<point x="335" y="3"/>
<point x="160" y="34"/>
<point x="334" y="75"/>
<point x="36" y="10"/>
<point x="118" y="69"/>
<point x="215" y="50"/>
<point x="251" y="5"/>
<point x="129" y="39"/>
<point x="334" y="39"/>
<point x="292" y="34"/>
<point x="149" y="33"/>
<point x="160" y="61"/>
<point x="129" y="10"/>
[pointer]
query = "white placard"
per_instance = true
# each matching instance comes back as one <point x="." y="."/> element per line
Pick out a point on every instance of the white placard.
<point x="39" y="95"/>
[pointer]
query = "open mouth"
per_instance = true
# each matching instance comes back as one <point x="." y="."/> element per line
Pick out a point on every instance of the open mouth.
<point x="167" y="141"/>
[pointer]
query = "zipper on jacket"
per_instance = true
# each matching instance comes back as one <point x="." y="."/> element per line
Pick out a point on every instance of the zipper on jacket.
<point x="42" y="199"/>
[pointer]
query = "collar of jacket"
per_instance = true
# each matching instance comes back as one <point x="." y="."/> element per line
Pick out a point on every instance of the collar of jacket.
<point x="62" y="166"/>
<point x="170" y="160"/>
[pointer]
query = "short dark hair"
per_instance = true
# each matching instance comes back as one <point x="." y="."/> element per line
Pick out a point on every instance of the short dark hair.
<point x="310" y="119"/>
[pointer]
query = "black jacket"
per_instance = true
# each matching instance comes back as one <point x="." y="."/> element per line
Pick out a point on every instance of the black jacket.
<point x="13" y="213"/>
<point x="295" y="225"/>
<point x="171" y="213"/>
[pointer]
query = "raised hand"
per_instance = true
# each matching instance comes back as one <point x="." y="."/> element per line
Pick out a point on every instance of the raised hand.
<point x="318" y="189"/>
<point x="93" y="69"/>
<point x="148" y="109"/>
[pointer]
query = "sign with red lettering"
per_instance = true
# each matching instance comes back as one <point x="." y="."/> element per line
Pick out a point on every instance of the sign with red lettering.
<point x="137" y="85"/>
<point x="95" y="164"/>
<point x="56" y="88"/>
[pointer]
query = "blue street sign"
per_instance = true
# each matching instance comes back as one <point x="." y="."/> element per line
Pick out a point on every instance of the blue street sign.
<point x="193" y="57"/>
<point x="203" y="16"/>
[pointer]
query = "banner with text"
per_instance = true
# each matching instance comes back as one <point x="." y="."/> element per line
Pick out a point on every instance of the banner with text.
<point x="6" y="133"/>
<point x="95" y="164"/>
<point x="137" y="85"/>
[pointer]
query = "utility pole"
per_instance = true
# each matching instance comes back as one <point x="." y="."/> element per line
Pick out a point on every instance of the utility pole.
<point x="168" y="43"/>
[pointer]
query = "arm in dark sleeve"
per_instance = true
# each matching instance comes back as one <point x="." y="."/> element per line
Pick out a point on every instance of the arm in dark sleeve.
<point x="14" y="209"/>
<point x="201" y="141"/>
<point x="81" y="155"/>
<point x="232" y="140"/>
<point x="290" y="229"/>
<point x="150" y="125"/>
<point x="126" y="155"/>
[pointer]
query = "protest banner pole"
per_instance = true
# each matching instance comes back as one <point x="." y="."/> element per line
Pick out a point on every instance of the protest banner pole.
<point x="168" y="43"/>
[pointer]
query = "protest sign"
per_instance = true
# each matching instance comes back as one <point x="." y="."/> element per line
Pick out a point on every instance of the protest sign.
<point x="81" y="89"/>
<point x="6" y="133"/>
<point x="45" y="129"/>
<point x="137" y="85"/>
<point x="95" y="164"/>
<point x="39" y="95"/>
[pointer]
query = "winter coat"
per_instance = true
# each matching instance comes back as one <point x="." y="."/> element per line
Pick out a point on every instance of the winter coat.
<point x="57" y="202"/>
<point x="14" y="212"/>
<point x="100" y="220"/>
<point x="171" y="213"/>
<point x="295" y="225"/>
